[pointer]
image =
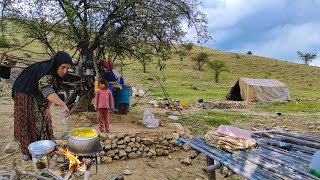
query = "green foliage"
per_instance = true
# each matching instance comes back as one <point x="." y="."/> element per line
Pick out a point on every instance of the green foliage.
<point x="307" y="58"/>
<point x="201" y="59"/>
<point x="135" y="29"/>
<point x="188" y="46"/>
<point x="4" y="42"/>
<point x="218" y="66"/>
<point x="249" y="53"/>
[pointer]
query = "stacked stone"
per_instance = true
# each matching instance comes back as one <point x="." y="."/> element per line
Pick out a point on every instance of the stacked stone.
<point x="220" y="105"/>
<point x="121" y="146"/>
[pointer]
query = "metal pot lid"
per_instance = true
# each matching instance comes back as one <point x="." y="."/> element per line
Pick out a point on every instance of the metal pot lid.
<point x="41" y="147"/>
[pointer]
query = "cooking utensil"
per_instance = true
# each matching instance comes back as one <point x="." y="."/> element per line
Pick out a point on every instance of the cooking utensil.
<point x="83" y="142"/>
<point x="42" y="147"/>
<point x="39" y="151"/>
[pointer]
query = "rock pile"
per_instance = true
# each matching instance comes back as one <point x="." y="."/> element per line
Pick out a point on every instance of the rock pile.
<point x="166" y="104"/>
<point x="121" y="146"/>
<point x="223" y="105"/>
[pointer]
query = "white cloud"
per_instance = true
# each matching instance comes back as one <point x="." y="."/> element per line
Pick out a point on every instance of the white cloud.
<point x="284" y="42"/>
<point x="315" y="62"/>
<point x="273" y="28"/>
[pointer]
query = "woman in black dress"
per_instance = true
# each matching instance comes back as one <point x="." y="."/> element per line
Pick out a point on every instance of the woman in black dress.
<point x="33" y="92"/>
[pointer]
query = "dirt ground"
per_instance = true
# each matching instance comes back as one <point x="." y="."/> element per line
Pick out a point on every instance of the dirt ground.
<point x="162" y="167"/>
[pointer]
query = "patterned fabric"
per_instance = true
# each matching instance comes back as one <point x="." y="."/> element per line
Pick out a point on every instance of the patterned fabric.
<point x="47" y="84"/>
<point x="30" y="121"/>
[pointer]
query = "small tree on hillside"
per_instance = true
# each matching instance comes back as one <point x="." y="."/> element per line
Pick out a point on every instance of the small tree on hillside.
<point x="218" y="66"/>
<point x="307" y="58"/>
<point x="201" y="59"/>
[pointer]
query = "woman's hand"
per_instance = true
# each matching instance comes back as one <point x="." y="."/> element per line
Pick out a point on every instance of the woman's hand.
<point x="47" y="113"/>
<point x="66" y="111"/>
<point x="55" y="99"/>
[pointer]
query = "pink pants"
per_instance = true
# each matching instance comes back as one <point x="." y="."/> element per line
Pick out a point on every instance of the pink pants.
<point x="103" y="119"/>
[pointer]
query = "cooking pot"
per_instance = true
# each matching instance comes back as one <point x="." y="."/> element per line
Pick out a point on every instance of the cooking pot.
<point x="83" y="142"/>
<point x="39" y="151"/>
<point x="42" y="147"/>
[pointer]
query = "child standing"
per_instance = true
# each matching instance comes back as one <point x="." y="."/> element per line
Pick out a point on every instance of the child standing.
<point x="103" y="103"/>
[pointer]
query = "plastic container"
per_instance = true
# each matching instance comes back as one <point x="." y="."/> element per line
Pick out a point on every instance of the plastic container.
<point x="184" y="104"/>
<point x="234" y="132"/>
<point x="122" y="97"/>
<point x="315" y="164"/>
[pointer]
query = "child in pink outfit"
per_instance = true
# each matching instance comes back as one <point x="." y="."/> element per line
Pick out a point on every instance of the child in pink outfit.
<point x="103" y="103"/>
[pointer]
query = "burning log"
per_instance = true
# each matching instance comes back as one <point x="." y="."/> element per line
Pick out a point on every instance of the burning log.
<point x="61" y="170"/>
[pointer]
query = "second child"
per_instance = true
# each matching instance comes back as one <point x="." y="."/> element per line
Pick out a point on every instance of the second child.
<point x="103" y="103"/>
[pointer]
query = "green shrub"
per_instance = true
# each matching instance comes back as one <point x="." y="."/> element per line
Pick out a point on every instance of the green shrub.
<point x="4" y="42"/>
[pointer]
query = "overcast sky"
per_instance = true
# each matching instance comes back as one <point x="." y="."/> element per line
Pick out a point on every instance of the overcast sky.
<point x="270" y="28"/>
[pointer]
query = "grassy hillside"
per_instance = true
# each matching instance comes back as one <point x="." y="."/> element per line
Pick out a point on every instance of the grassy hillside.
<point x="185" y="83"/>
<point x="182" y="78"/>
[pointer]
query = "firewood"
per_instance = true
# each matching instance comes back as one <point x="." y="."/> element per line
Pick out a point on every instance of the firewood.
<point x="70" y="171"/>
<point x="9" y="155"/>
<point x="36" y="175"/>
<point x="86" y="175"/>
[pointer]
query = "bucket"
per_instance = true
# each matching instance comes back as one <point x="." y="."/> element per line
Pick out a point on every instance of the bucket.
<point x="122" y="97"/>
<point x="39" y="151"/>
<point x="315" y="164"/>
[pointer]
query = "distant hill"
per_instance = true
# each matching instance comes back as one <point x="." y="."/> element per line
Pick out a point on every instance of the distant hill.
<point x="184" y="82"/>
<point x="182" y="77"/>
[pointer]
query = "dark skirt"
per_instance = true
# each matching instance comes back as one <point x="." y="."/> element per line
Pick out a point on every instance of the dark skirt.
<point x="30" y="123"/>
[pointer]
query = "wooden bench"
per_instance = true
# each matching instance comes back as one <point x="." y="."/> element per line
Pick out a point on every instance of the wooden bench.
<point x="265" y="161"/>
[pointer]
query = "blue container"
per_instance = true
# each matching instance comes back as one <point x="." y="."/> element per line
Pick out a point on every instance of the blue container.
<point x="122" y="97"/>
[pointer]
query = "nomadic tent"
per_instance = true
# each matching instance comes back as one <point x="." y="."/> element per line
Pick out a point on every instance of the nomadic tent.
<point x="262" y="90"/>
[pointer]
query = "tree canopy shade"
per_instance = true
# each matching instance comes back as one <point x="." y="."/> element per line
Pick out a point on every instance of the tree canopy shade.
<point x="140" y="29"/>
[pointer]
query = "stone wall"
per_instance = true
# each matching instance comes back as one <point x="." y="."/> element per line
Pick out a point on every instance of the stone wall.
<point x="121" y="146"/>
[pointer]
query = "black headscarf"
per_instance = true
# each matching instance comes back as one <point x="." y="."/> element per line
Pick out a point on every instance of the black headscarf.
<point x="27" y="81"/>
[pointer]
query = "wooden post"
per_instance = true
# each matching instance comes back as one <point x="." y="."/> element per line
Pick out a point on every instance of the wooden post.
<point x="212" y="174"/>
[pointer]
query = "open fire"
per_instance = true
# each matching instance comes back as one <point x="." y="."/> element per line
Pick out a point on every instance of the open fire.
<point x="74" y="162"/>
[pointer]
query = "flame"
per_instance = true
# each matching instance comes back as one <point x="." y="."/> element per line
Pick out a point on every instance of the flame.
<point x="74" y="161"/>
